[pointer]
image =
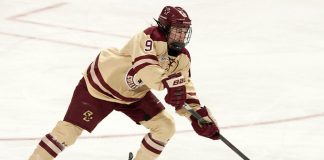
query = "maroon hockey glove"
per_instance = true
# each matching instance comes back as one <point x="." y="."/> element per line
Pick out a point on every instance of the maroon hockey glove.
<point x="209" y="130"/>
<point x="175" y="84"/>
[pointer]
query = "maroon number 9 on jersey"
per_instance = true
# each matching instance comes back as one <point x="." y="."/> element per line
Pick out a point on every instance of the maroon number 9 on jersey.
<point x="148" y="45"/>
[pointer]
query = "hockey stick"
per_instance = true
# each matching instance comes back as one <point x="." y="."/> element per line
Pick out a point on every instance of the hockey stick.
<point x="222" y="138"/>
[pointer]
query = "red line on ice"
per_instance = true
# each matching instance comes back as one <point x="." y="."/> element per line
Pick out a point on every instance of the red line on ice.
<point x="184" y="131"/>
<point x="37" y="10"/>
<point x="50" y="40"/>
<point x="18" y="18"/>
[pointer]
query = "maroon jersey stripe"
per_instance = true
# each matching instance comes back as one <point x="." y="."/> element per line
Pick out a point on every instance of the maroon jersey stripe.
<point x="105" y="85"/>
<point x="153" y="57"/>
<point x="95" y="86"/>
<point x="136" y="69"/>
<point x="143" y="61"/>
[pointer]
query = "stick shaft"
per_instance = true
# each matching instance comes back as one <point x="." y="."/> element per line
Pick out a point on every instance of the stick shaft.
<point x="230" y="145"/>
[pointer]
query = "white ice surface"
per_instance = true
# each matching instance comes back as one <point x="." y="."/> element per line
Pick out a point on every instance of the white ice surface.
<point x="257" y="64"/>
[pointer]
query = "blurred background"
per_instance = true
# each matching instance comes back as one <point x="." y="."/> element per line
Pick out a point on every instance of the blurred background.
<point x="257" y="64"/>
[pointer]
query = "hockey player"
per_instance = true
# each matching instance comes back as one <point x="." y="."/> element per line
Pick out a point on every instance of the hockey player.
<point x="121" y="80"/>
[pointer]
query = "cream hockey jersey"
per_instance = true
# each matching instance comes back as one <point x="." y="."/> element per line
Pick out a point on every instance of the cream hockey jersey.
<point x="125" y="75"/>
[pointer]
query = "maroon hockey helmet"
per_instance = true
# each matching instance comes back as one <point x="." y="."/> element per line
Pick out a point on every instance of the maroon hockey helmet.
<point x="174" y="16"/>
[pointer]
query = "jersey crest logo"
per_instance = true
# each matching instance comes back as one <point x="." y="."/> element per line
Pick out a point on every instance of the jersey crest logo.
<point x="131" y="83"/>
<point x="88" y="115"/>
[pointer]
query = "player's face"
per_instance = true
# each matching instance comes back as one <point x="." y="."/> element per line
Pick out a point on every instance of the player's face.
<point x="178" y="34"/>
